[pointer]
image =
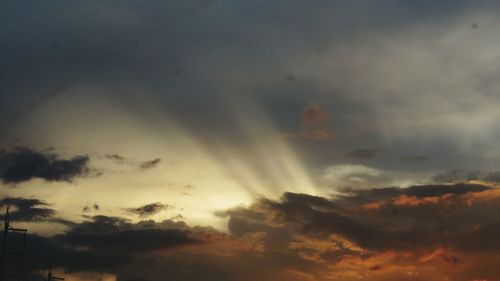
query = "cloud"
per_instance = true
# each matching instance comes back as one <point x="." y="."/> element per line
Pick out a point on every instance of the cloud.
<point x="24" y="209"/>
<point x="106" y="244"/>
<point x="314" y="125"/>
<point x="407" y="224"/>
<point x="132" y="162"/>
<point x="377" y="233"/>
<point x="492" y="177"/>
<point x="149" y="209"/>
<point x="120" y="236"/>
<point x="23" y="164"/>
<point x="340" y="176"/>
<point x="419" y="191"/>
<point x="129" y="241"/>
<point x="456" y="175"/>
<point x="459" y="175"/>
<point x="88" y="208"/>
<point x="71" y="259"/>
<point x="150" y="164"/>
<point x="116" y="158"/>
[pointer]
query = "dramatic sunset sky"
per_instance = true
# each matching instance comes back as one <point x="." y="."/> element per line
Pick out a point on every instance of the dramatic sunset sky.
<point x="258" y="140"/>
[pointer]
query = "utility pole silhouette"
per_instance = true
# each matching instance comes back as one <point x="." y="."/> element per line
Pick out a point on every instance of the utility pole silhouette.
<point x="50" y="277"/>
<point x="6" y="251"/>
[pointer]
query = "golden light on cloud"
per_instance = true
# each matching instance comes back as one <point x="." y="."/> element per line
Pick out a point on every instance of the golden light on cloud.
<point x="85" y="276"/>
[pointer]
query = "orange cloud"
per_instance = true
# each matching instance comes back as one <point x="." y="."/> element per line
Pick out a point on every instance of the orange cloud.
<point x="447" y="199"/>
<point x="314" y="124"/>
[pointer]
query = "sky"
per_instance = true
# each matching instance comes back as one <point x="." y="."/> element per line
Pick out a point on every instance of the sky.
<point x="252" y="140"/>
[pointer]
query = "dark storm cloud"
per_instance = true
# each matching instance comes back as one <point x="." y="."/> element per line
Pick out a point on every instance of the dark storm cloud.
<point x="23" y="164"/>
<point x="118" y="235"/>
<point x="149" y="209"/>
<point x="39" y="248"/>
<point x="130" y="241"/>
<point x="418" y="191"/>
<point x="104" y="244"/>
<point x="25" y="209"/>
<point x="421" y="217"/>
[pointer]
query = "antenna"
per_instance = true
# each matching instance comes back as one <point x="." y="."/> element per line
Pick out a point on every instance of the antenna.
<point x="6" y="251"/>
<point x="50" y="277"/>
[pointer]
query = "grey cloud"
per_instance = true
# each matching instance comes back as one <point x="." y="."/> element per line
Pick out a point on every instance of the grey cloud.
<point x="492" y="177"/>
<point x="88" y="208"/>
<point x="150" y="163"/>
<point x="23" y="164"/>
<point x="72" y="260"/>
<point x="458" y="175"/>
<point x="129" y="241"/>
<point x="119" y="235"/>
<point x="123" y="160"/>
<point x="418" y="191"/>
<point x="115" y="157"/>
<point x="26" y="209"/>
<point x="105" y="244"/>
<point x="149" y="209"/>
<point x="390" y="226"/>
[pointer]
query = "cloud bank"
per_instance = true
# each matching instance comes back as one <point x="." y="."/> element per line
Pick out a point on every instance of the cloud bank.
<point x="419" y="233"/>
